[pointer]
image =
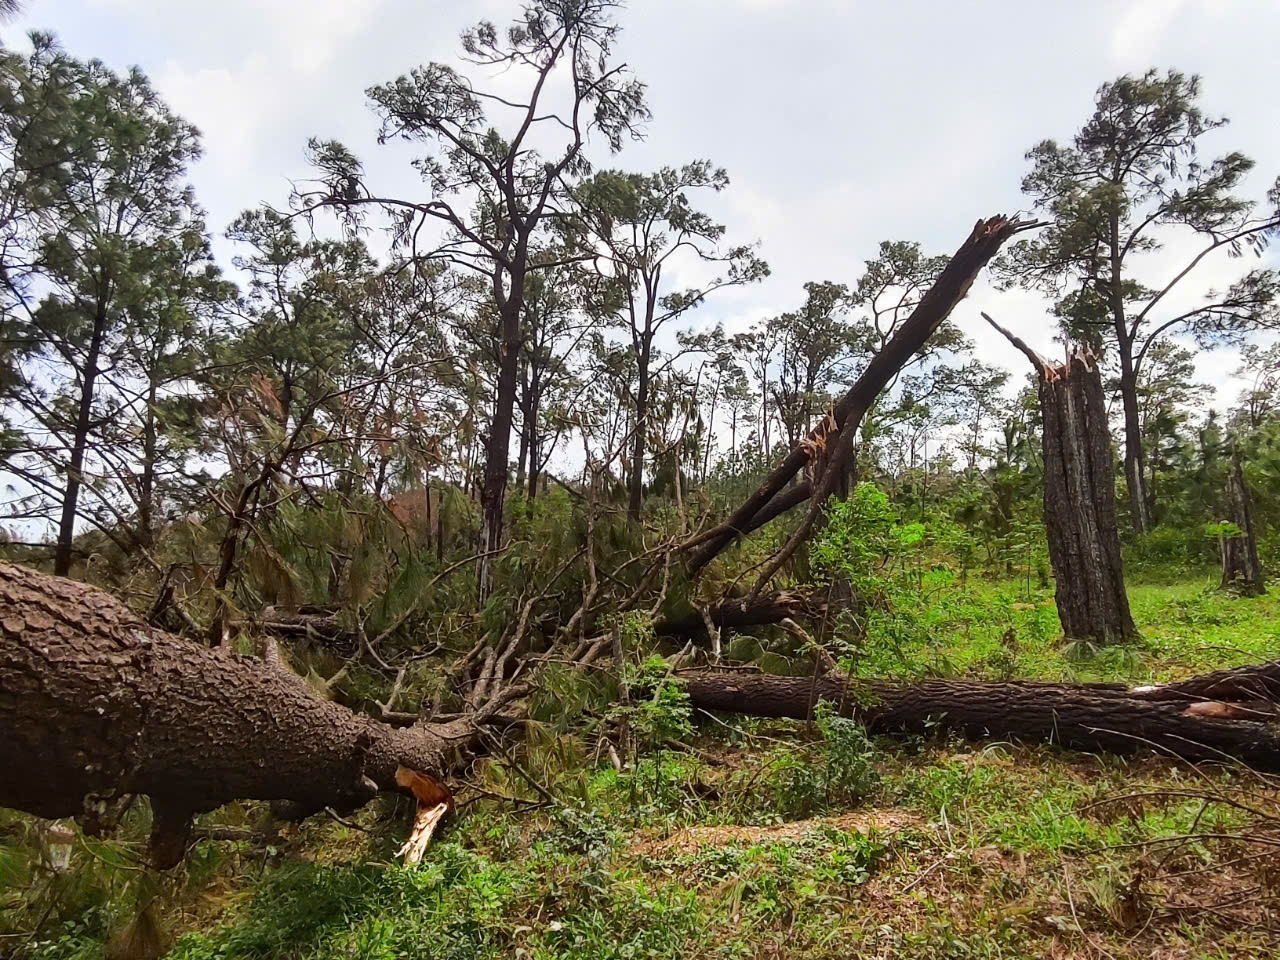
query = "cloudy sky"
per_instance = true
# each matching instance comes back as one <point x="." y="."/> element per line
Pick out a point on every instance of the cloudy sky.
<point x="842" y="123"/>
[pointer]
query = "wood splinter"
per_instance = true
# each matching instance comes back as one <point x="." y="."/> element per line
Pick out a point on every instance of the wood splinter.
<point x="434" y="801"/>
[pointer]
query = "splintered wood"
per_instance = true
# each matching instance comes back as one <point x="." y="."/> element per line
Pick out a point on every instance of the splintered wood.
<point x="434" y="801"/>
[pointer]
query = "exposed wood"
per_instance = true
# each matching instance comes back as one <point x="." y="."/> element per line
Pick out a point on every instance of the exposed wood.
<point x="1241" y="569"/>
<point x="831" y="443"/>
<point x="1261" y="682"/>
<point x="434" y="801"/>
<point x="1085" y="717"/>
<point x="95" y="703"/>
<point x="1079" y="497"/>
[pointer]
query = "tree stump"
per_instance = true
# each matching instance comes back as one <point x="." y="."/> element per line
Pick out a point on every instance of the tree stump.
<point x="1079" y="497"/>
<point x="1241" y="570"/>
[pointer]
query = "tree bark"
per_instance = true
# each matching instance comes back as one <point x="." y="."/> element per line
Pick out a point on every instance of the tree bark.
<point x="1079" y="498"/>
<point x="1241" y="569"/>
<point x="535" y="440"/>
<point x="773" y="608"/>
<point x="493" y="495"/>
<point x="80" y="442"/>
<point x="773" y="496"/>
<point x="147" y="481"/>
<point x="1134" y="460"/>
<point x="1134" y="466"/>
<point x="95" y="704"/>
<point x="524" y="431"/>
<point x="1079" y="505"/>
<point x="1085" y="716"/>
<point x="635" y="492"/>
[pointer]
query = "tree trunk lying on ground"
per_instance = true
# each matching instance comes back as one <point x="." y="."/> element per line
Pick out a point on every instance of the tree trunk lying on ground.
<point x="1080" y="497"/>
<point x="322" y="628"/>
<point x="1173" y="719"/>
<point x="95" y="704"/>
<point x="738" y="613"/>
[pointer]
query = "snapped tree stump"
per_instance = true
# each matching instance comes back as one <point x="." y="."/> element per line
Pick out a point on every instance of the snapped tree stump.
<point x="1079" y="497"/>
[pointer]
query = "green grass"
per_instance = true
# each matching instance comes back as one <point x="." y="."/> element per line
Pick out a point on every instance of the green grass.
<point x="1006" y="630"/>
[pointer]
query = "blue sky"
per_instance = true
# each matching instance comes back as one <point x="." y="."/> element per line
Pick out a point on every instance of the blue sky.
<point x="841" y="123"/>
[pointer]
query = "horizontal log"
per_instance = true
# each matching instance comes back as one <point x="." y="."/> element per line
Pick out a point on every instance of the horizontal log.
<point x="95" y="704"/>
<point x="1251" y="683"/>
<point x="1176" y="722"/>
<point x="739" y="613"/>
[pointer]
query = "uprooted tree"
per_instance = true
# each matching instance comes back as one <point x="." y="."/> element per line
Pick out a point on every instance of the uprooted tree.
<point x="1079" y="497"/>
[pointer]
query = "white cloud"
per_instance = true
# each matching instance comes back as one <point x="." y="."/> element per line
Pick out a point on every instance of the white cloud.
<point x="1140" y="29"/>
<point x="1143" y="30"/>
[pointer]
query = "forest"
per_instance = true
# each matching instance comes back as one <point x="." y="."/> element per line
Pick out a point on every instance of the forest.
<point x="431" y="579"/>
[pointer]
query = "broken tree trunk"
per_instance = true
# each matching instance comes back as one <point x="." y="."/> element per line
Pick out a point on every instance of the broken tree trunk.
<point x="1079" y="497"/>
<point x="1171" y="721"/>
<point x="96" y="704"/>
<point x="745" y="612"/>
<point x="823" y="447"/>
<point x="1241" y="570"/>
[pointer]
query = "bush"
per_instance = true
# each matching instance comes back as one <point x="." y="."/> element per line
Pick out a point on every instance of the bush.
<point x="837" y="772"/>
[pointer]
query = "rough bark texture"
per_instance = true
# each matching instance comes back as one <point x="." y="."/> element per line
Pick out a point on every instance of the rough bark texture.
<point x="75" y="467"/>
<point x="1079" y="503"/>
<point x="1241" y="569"/>
<point x="774" y="497"/>
<point x="635" y="483"/>
<point x="493" y="495"/>
<point x="94" y="704"/>
<point x="1079" y="498"/>
<point x="773" y="608"/>
<point x="1236" y="685"/>
<point x="1173" y="721"/>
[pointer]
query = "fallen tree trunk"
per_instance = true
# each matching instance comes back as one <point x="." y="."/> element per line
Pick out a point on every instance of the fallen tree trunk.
<point x="1240" y="684"/>
<point x="96" y="704"/>
<point x="746" y="612"/>
<point x="773" y="497"/>
<point x="1172" y="721"/>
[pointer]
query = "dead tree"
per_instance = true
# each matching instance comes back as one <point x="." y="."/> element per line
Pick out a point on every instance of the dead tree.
<point x="1175" y="720"/>
<point x="95" y="704"/>
<point x="739" y="613"/>
<point x="1241" y="570"/>
<point x="1079" y="497"/>
<point x="827" y="452"/>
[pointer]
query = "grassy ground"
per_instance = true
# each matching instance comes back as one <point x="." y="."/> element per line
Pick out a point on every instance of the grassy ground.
<point x="769" y="840"/>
